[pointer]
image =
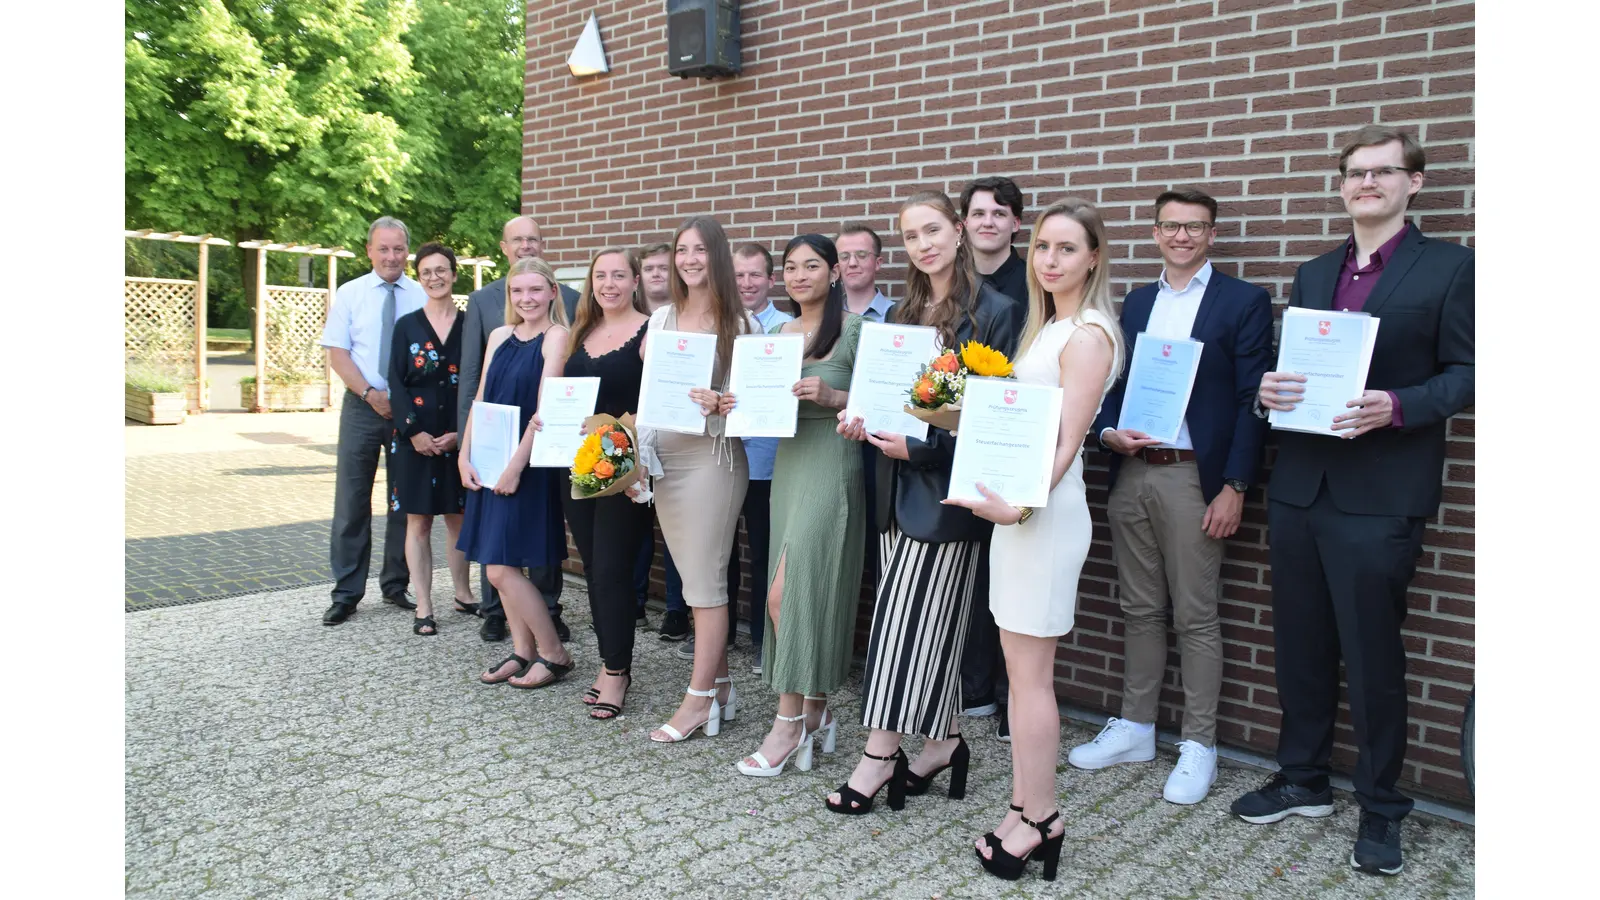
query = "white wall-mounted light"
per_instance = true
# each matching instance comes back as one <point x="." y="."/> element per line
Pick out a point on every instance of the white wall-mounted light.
<point x="589" y="56"/>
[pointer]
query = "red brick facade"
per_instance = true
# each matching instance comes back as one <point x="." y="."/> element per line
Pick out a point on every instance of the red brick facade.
<point x="846" y="106"/>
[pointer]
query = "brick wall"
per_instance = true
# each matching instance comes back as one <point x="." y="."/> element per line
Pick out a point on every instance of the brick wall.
<point x="846" y="106"/>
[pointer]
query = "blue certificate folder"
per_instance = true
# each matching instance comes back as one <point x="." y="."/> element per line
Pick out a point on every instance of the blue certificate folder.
<point x="1160" y="377"/>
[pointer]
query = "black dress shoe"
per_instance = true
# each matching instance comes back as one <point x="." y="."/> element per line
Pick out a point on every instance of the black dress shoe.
<point x="493" y="628"/>
<point x="400" y="600"/>
<point x="562" y="631"/>
<point x="338" y="612"/>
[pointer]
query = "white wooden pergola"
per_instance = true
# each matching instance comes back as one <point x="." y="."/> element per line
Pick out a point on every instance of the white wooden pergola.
<point x="203" y="242"/>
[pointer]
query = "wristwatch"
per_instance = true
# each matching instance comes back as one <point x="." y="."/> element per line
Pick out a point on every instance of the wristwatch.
<point x="1236" y="484"/>
<point x="364" y="393"/>
<point x="1027" y="513"/>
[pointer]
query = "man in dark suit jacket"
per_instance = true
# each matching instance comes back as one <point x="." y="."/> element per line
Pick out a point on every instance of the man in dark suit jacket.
<point x="486" y="311"/>
<point x="1173" y="504"/>
<point x="1346" y="514"/>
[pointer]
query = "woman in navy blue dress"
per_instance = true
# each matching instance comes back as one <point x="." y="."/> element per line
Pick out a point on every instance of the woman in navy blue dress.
<point x="515" y="523"/>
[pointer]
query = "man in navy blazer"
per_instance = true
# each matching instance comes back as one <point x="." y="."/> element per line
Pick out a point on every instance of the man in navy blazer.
<point x="1173" y="504"/>
<point x="1346" y="513"/>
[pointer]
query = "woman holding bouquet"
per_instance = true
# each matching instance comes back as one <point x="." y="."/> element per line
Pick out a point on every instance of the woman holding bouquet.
<point x="516" y="522"/>
<point x="704" y="477"/>
<point x="818" y="520"/>
<point x="1071" y="339"/>
<point x="929" y="551"/>
<point x="605" y="344"/>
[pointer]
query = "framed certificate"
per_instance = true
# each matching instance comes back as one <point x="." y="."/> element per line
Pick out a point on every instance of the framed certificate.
<point x="563" y="405"/>
<point x="1160" y="378"/>
<point x="762" y="377"/>
<point x="888" y="358"/>
<point x="494" y="437"/>
<point x="1007" y="440"/>
<point x="674" y="362"/>
<point x="1333" y="350"/>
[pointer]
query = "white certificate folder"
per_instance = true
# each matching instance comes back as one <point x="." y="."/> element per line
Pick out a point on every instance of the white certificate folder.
<point x="1161" y="375"/>
<point x="1334" y="351"/>
<point x="1007" y="440"/>
<point x="494" y="438"/>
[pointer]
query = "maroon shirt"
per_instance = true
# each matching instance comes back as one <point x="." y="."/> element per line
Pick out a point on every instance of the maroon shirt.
<point x="1355" y="286"/>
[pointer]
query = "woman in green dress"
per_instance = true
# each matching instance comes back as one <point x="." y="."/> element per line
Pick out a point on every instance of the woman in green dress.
<point x="818" y="521"/>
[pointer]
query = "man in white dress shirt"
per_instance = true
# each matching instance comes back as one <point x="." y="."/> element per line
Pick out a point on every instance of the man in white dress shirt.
<point x="1171" y="506"/>
<point x="357" y="336"/>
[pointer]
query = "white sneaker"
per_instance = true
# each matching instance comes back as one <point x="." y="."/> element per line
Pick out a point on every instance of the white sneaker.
<point x="978" y="712"/>
<point x="1118" y="742"/>
<point x="1194" y="774"/>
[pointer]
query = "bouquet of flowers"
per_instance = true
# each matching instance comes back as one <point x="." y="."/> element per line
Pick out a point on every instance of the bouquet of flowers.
<point x="608" y="460"/>
<point x="936" y="394"/>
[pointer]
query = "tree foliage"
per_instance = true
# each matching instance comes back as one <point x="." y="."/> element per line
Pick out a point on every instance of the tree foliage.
<point x="305" y="119"/>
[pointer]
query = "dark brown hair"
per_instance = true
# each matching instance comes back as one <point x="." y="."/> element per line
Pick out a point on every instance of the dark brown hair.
<point x="920" y="307"/>
<point x="1005" y="191"/>
<point x="434" y="248"/>
<point x="1198" y="198"/>
<point x="589" y="311"/>
<point x="726" y="309"/>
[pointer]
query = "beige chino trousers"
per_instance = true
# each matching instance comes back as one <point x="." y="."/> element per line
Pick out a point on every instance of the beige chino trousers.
<point x="1162" y="553"/>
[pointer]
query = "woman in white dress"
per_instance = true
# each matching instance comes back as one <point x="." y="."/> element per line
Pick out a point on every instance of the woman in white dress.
<point x="1072" y="339"/>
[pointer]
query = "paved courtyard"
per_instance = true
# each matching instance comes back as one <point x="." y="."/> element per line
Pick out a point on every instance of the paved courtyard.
<point x="267" y="755"/>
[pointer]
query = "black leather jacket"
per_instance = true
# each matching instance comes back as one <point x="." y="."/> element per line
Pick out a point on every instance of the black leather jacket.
<point x="908" y="493"/>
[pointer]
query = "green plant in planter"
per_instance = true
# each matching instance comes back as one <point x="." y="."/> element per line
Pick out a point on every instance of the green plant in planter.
<point x="155" y="382"/>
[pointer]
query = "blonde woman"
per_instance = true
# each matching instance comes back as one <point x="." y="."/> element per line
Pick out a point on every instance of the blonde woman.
<point x="1072" y="340"/>
<point x="515" y="523"/>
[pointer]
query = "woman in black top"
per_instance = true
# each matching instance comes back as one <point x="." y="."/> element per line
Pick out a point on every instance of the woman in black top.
<point x="930" y="551"/>
<point x="605" y="345"/>
<point x="423" y="375"/>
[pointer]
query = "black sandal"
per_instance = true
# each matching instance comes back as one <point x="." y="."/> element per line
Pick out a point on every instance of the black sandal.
<point x="960" y="758"/>
<point x="1048" y="851"/>
<point x="611" y="710"/>
<point x="557" y="672"/>
<point x="425" y="622"/>
<point x="992" y="839"/>
<point x="523" y="666"/>
<point x="854" y="803"/>
<point x="470" y="609"/>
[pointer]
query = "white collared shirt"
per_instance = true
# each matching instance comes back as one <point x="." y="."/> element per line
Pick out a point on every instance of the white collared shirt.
<point x="1173" y="317"/>
<point x="355" y="323"/>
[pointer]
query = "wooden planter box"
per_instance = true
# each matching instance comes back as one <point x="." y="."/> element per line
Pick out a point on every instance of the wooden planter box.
<point x="286" y="397"/>
<point x="152" y="408"/>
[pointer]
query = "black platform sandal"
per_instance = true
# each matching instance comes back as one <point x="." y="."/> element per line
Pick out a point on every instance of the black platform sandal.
<point x="992" y="839"/>
<point x="854" y="803"/>
<point x="523" y="666"/>
<point x="611" y="710"/>
<point x="960" y="759"/>
<point x="557" y="673"/>
<point x="1003" y="865"/>
<point x="425" y="622"/>
<point x="470" y="609"/>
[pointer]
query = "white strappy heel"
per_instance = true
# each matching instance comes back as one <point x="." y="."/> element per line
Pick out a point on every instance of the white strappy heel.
<point x="712" y="724"/>
<point x="730" y="709"/>
<point x="828" y="730"/>
<point x="801" y="754"/>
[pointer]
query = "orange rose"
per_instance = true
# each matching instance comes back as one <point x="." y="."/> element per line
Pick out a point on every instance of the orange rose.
<point x="619" y="440"/>
<point x="603" y="469"/>
<point x="925" y="390"/>
<point x="946" y="362"/>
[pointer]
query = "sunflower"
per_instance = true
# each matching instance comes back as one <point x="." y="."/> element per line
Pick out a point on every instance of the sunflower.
<point x="588" y="455"/>
<point x="985" y="361"/>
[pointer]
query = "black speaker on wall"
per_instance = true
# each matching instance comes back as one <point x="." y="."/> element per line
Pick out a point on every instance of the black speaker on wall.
<point x="703" y="38"/>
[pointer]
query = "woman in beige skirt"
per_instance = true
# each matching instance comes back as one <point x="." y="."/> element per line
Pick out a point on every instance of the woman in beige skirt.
<point x="704" y="477"/>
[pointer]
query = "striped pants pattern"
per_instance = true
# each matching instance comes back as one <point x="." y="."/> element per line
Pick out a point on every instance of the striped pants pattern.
<point x="912" y="683"/>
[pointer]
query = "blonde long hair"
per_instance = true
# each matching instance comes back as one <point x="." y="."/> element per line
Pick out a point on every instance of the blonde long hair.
<point x="558" y="308"/>
<point x="920" y="307"/>
<point x="589" y="311"/>
<point x="725" y="306"/>
<point x="1096" y="291"/>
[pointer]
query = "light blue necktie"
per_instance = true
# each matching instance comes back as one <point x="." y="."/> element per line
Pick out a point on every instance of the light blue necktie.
<point x="387" y="333"/>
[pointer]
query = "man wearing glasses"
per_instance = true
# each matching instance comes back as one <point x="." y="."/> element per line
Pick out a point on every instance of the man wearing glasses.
<point x="1172" y="505"/>
<point x="1346" y="514"/>
<point x="860" y="258"/>
<point x="486" y="311"/>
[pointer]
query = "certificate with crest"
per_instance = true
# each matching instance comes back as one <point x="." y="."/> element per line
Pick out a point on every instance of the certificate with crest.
<point x="761" y="378"/>
<point x="675" y="362"/>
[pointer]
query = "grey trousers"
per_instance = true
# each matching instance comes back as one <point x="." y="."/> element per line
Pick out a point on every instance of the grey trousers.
<point x="1164" y="559"/>
<point x="362" y="435"/>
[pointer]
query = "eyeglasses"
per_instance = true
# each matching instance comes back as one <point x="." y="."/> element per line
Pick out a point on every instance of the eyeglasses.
<point x="430" y="274"/>
<point x="859" y="256"/>
<point x="1194" y="229"/>
<point x="1360" y="175"/>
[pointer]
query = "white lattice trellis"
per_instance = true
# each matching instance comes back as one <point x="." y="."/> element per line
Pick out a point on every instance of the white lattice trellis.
<point x="158" y="325"/>
<point x="295" y="317"/>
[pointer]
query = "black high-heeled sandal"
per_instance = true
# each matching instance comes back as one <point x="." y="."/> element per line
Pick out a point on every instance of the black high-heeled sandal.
<point x="854" y="803"/>
<point x="960" y="759"/>
<point x="557" y="672"/>
<point x="992" y="839"/>
<point x="470" y="609"/>
<point x="1003" y="865"/>
<point x="611" y="710"/>
<point x="425" y="622"/>
<point x="523" y="666"/>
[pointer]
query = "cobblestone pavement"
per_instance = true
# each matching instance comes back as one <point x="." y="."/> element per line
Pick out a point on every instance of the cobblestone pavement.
<point x="267" y="755"/>
<point x="230" y="504"/>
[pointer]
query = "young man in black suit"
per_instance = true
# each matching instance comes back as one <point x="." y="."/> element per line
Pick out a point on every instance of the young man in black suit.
<point x="1346" y="514"/>
<point x="1172" y="505"/>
